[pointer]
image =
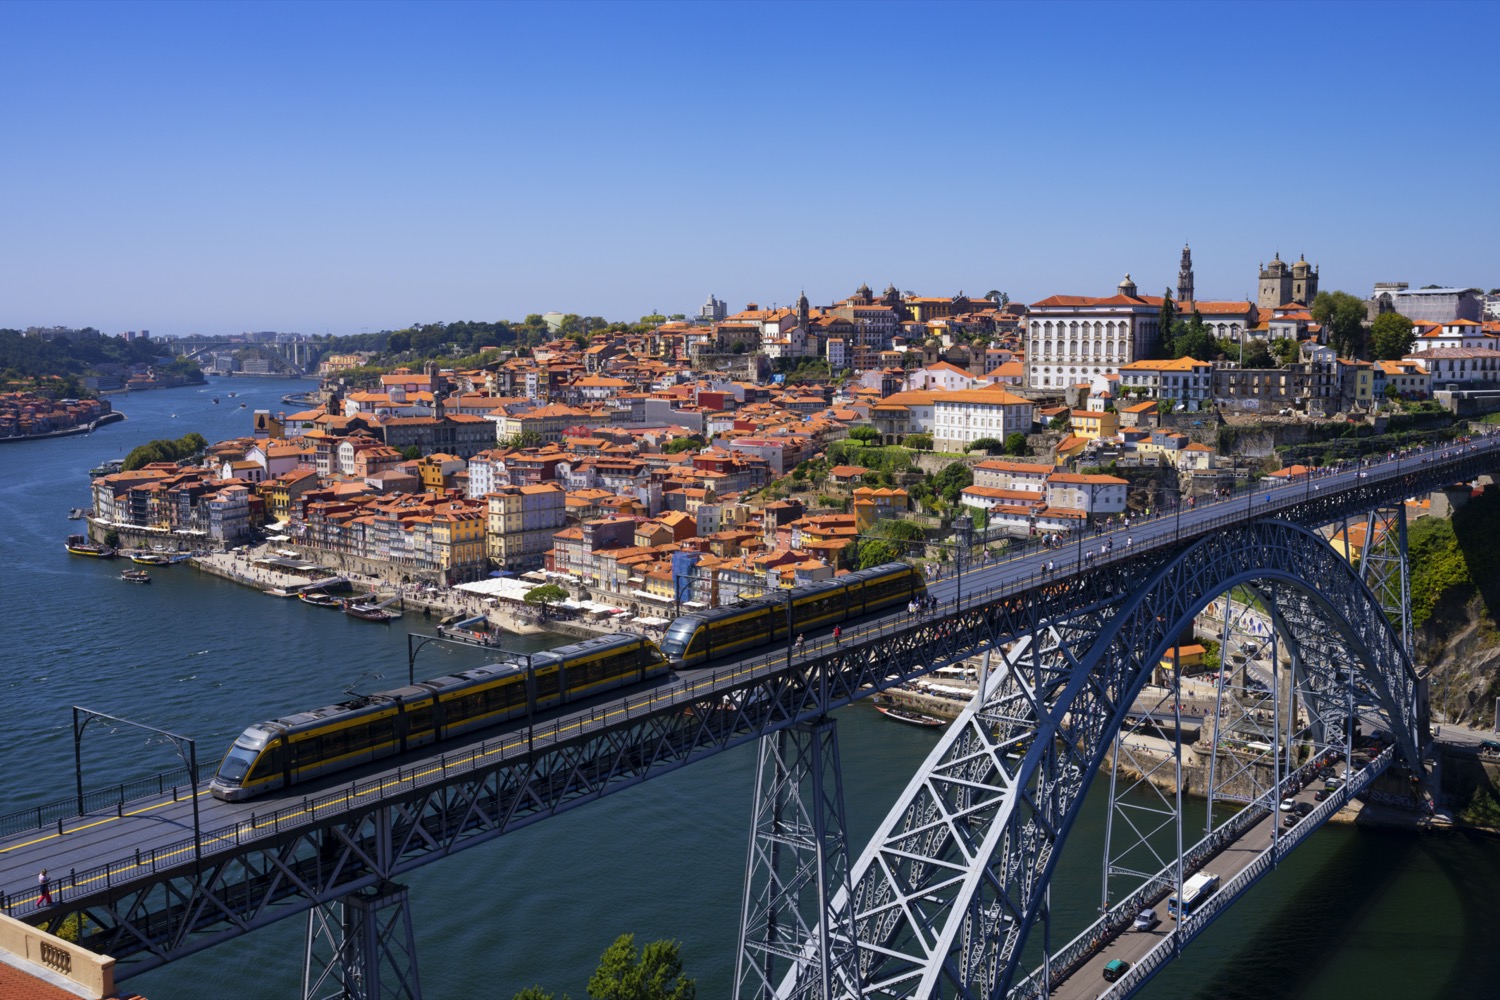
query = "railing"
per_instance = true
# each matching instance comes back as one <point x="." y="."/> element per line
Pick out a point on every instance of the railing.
<point x="175" y="780"/>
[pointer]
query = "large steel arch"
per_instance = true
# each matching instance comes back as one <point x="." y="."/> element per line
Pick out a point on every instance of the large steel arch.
<point x="946" y="894"/>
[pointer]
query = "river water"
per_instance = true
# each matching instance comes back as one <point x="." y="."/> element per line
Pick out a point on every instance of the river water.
<point x="1352" y="914"/>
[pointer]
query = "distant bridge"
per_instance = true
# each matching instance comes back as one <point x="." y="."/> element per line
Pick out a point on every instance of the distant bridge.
<point x="295" y="355"/>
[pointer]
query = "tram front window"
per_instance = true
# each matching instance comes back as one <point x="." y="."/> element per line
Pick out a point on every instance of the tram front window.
<point x="236" y="764"/>
<point x="677" y="638"/>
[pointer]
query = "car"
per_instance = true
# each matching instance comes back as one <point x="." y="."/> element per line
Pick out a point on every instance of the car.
<point x="1303" y="808"/>
<point x="1115" y="968"/>
<point x="1320" y="795"/>
<point x="1325" y="772"/>
<point x="1290" y="820"/>
<point x="1332" y="784"/>
<point x="1145" y="920"/>
<point x="1288" y="804"/>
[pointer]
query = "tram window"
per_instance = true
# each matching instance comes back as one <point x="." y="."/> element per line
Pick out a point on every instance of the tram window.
<point x="269" y="764"/>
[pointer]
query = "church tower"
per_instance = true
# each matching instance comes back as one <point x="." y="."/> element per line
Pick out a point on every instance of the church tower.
<point x="1185" y="280"/>
<point x="1304" y="281"/>
<point x="804" y="311"/>
<point x="1275" y="284"/>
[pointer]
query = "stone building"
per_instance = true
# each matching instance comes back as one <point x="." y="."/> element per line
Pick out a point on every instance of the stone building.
<point x="1281" y="283"/>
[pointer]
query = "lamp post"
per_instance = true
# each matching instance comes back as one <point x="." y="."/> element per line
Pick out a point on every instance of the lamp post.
<point x="963" y="526"/>
<point x="83" y="716"/>
<point x="412" y="650"/>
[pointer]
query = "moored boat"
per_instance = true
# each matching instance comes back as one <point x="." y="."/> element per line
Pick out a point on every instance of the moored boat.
<point x="367" y="612"/>
<point x="150" y="558"/>
<point x="135" y="576"/>
<point x="80" y="545"/>
<point x="318" y="599"/>
<point x="907" y="715"/>
<point x="107" y="468"/>
<point x="280" y="592"/>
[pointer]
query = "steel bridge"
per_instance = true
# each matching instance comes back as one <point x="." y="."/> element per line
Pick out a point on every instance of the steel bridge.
<point x="950" y="897"/>
<point x="297" y="355"/>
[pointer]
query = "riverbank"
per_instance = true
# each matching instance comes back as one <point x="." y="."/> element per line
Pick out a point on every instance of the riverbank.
<point x="113" y="416"/>
<point x="412" y="600"/>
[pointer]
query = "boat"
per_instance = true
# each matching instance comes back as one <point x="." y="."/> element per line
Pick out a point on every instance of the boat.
<point x="242" y="406"/>
<point x="318" y="599"/>
<point x="107" y="468"/>
<point x="216" y="400"/>
<point x="233" y="394"/>
<point x="80" y="545"/>
<point x="907" y="715"/>
<point x="367" y="612"/>
<point x="150" y="558"/>
<point x="280" y="592"/>
<point x="77" y="514"/>
<point x="135" y="576"/>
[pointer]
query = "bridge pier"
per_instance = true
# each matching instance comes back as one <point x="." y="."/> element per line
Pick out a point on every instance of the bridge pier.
<point x="798" y="863"/>
<point x="360" y="947"/>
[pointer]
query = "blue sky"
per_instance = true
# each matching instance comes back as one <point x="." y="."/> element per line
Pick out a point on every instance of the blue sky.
<point x="214" y="168"/>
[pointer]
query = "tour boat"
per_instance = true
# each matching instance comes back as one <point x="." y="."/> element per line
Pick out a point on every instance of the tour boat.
<point x="318" y="599"/>
<point x="135" y="576"/>
<point x="150" y="558"/>
<point x="80" y="545"/>
<point x="368" y="612"/>
<point x="909" y="716"/>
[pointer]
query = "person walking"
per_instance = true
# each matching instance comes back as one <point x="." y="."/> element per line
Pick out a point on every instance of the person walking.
<point x="44" y="895"/>
<point x="838" y="633"/>
<point x="801" y="644"/>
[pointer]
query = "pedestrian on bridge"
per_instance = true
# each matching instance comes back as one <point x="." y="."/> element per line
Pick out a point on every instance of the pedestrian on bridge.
<point x="44" y="895"/>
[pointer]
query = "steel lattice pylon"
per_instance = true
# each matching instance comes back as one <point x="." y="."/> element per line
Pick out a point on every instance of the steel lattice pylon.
<point x="946" y="894"/>
<point x="361" y="948"/>
<point x="798" y="861"/>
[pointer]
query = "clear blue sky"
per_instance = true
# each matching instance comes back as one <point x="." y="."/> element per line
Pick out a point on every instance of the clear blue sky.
<point x="307" y="167"/>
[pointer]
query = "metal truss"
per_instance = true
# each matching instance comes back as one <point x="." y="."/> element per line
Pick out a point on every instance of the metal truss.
<point x="799" y="859"/>
<point x="946" y="895"/>
<point x="361" y="948"/>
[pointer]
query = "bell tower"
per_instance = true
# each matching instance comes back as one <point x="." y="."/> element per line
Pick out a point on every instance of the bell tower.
<point x="1185" y="280"/>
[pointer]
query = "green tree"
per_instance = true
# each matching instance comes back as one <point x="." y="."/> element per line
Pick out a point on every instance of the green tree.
<point x="411" y="452"/>
<point x="523" y="439"/>
<point x="919" y="441"/>
<point x="876" y="552"/>
<point x="690" y="443"/>
<point x="949" y="483"/>
<point x="546" y="595"/>
<point x="1193" y="339"/>
<point x="1166" y="319"/>
<point x="1015" y="444"/>
<point x="863" y="432"/>
<point x="535" y="993"/>
<point x="654" y="974"/>
<point x="1391" y="336"/>
<point x="1256" y="355"/>
<point x="1060" y="422"/>
<point x="1343" y="319"/>
<point x="1286" y="350"/>
<point x="989" y="446"/>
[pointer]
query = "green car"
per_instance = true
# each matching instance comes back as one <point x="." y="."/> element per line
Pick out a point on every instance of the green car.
<point x="1115" y="969"/>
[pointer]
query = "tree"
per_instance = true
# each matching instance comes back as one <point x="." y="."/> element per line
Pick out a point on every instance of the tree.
<point x="1166" y="319"/>
<point x="1193" y="339"/>
<point x="1256" y="354"/>
<point x="952" y="479"/>
<point x="411" y="452"/>
<point x="998" y="297"/>
<point x="535" y="993"/>
<point x="656" y="974"/>
<point x="1391" y="336"/>
<point x="863" y="432"/>
<point x="689" y="443"/>
<point x="1286" y="350"/>
<point x="545" y="595"/>
<point x="876" y="552"/>
<point x="989" y="446"/>
<point x="1015" y="444"/>
<point x="1343" y="319"/>
<point x="1061" y="422"/>
<point x="919" y="441"/>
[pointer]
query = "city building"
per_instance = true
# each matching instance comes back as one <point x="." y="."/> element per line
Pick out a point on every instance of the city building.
<point x="1073" y="338"/>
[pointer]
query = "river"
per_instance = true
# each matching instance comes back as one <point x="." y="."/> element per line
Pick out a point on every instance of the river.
<point x="1352" y="914"/>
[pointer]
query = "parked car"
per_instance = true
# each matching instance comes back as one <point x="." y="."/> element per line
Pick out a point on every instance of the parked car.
<point x="1115" y="968"/>
<point x="1145" y="920"/>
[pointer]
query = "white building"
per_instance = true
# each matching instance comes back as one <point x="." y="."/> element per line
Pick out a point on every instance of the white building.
<point x="961" y="418"/>
<point x="1071" y="338"/>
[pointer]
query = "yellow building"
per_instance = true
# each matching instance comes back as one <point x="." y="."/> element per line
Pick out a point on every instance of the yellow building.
<point x="458" y="545"/>
<point x="1093" y="425"/>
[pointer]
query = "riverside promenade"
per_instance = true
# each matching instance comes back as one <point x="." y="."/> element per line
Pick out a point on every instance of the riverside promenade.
<point x="252" y="569"/>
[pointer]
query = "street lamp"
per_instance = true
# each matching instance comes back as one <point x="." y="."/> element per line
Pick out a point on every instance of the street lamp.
<point x="963" y="527"/>
<point x="83" y="716"/>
